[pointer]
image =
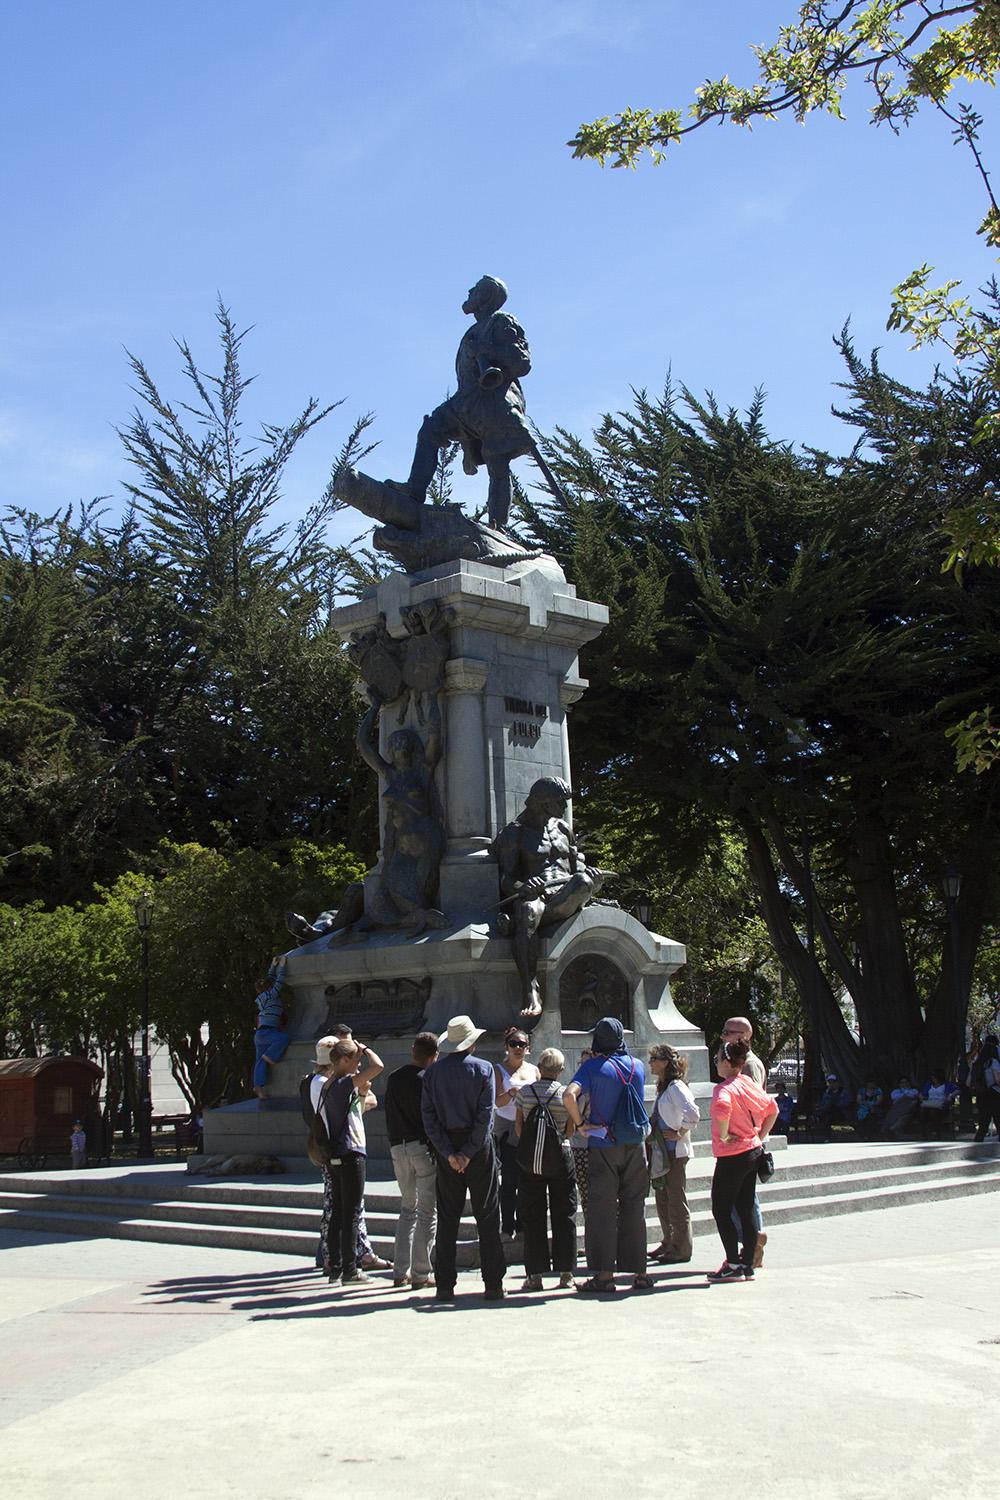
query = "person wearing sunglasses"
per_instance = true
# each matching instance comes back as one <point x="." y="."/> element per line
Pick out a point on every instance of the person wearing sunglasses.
<point x="674" y="1117"/>
<point x="511" y="1075"/>
<point x="742" y="1117"/>
<point x="739" y="1029"/>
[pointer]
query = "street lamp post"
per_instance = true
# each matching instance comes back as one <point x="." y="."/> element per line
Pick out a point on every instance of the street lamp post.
<point x="952" y="884"/>
<point x="144" y="920"/>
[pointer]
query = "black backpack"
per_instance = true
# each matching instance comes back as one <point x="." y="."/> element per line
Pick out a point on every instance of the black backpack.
<point x="540" y="1151"/>
<point x="325" y="1138"/>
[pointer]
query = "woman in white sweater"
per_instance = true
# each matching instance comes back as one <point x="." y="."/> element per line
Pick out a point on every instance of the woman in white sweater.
<point x="674" y="1117"/>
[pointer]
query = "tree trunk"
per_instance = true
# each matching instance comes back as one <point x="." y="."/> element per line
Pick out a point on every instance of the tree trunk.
<point x="838" y="1048"/>
<point x="212" y="1072"/>
<point x="943" y="1040"/>
<point x="886" y="997"/>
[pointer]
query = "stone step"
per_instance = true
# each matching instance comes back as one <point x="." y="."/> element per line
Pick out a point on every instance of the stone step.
<point x="102" y="1226"/>
<point x="271" y="1238"/>
<point x="267" y="1208"/>
<point x="304" y="1189"/>
<point x="781" y="1187"/>
<point x="194" y="1233"/>
<point x="175" y="1195"/>
<point x="896" y="1196"/>
<point x="261" y="1223"/>
<point x="266" y="1217"/>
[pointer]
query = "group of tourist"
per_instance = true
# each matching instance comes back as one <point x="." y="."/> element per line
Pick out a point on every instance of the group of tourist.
<point x="521" y="1144"/>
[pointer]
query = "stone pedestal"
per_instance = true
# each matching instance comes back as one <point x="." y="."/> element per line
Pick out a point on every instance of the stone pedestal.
<point x="509" y="682"/>
<point x="510" y="679"/>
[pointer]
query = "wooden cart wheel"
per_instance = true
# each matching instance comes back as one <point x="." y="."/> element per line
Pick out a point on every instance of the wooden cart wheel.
<point x="30" y="1155"/>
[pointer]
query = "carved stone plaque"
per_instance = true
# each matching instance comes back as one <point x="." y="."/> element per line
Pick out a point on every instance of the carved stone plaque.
<point x="591" y="987"/>
<point x="377" y="1007"/>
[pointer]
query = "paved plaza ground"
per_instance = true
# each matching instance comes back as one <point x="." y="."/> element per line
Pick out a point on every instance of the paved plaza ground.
<point x="864" y="1361"/>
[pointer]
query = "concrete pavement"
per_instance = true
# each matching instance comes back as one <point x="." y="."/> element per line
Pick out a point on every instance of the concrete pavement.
<point x="861" y="1362"/>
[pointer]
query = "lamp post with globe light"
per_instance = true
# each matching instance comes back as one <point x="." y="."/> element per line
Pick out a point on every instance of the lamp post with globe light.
<point x="951" y="882"/>
<point x="143" y="909"/>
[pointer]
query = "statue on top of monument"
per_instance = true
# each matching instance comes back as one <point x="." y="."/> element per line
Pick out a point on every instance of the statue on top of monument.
<point x="543" y="878"/>
<point x="486" y="413"/>
<point x="486" y="416"/>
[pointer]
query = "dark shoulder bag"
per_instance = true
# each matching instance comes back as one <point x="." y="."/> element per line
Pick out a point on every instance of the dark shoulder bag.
<point x="765" y="1161"/>
<point x="320" y="1150"/>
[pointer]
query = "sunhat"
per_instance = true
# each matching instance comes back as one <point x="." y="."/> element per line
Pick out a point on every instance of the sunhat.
<point x="462" y="1033"/>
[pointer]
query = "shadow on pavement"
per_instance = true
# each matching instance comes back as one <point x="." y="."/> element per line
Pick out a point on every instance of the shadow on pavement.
<point x="288" y="1295"/>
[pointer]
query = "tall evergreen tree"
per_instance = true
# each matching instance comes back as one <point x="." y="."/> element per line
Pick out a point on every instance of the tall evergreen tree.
<point x="787" y="657"/>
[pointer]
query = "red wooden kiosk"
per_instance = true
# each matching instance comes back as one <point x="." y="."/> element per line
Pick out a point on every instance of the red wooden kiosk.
<point x="40" y="1098"/>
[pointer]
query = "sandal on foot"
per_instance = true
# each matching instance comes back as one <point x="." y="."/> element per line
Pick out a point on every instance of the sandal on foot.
<point x="642" y="1283"/>
<point x="594" y="1285"/>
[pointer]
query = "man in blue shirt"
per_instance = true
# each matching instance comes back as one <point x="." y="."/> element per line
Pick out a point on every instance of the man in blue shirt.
<point x="615" y="1216"/>
<point x="457" y="1111"/>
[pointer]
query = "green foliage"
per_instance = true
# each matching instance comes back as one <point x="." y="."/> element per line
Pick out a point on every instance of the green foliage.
<point x="977" y="740"/>
<point x="61" y="977"/>
<point x="70" y="977"/>
<point x="175" y="711"/>
<point x="787" y="655"/>
<point x="909" y="52"/>
<point x="175" y="674"/>
<point x="208" y="494"/>
<point x="218" y="920"/>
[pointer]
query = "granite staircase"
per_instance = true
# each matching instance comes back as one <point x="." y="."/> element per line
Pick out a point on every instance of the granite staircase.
<point x="281" y="1214"/>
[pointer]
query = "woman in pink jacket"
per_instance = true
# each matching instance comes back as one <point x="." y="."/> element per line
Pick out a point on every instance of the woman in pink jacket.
<point x="742" y="1117"/>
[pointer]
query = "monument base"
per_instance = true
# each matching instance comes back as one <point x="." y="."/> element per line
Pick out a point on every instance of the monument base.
<point x="601" y="962"/>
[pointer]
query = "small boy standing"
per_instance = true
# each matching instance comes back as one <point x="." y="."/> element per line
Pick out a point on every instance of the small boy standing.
<point x="78" y="1145"/>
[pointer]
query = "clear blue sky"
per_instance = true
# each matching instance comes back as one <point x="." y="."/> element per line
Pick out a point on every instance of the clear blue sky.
<point x="340" y="172"/>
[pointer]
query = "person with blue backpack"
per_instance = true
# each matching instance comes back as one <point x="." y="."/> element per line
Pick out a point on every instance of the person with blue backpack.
<point x="615" y="1220"/>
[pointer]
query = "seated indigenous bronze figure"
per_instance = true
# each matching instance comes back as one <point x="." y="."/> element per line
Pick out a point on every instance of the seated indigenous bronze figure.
<point x="543" y="879"/>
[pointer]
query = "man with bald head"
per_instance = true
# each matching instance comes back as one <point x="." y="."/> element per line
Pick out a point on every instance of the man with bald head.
<point x="739" y="1029"/>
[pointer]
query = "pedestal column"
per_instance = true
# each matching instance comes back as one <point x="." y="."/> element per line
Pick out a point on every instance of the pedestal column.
<point x="465" y="759"/>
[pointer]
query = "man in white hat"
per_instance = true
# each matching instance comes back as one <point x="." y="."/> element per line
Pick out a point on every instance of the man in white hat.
<point x="457" y="1109"/>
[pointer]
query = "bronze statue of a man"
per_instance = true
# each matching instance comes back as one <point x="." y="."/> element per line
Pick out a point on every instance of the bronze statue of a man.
<point x="486" y="413"/>
<point x="543" y="878"/>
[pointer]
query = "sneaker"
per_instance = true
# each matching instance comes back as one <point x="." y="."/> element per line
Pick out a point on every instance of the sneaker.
<point x="417" y="1283"/>
<point x="727" y="1272"/>
<point x="493" y="1293"/>
<point x="748" y="1273"/>
<point x="360" y="1278"/>
<point x="334" y="1280"/>
<point x="566" y="1280"/>
<point x="375" y="1262"/>
<point x="531" y="1284"/>
<point x="758" y="1255"/>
